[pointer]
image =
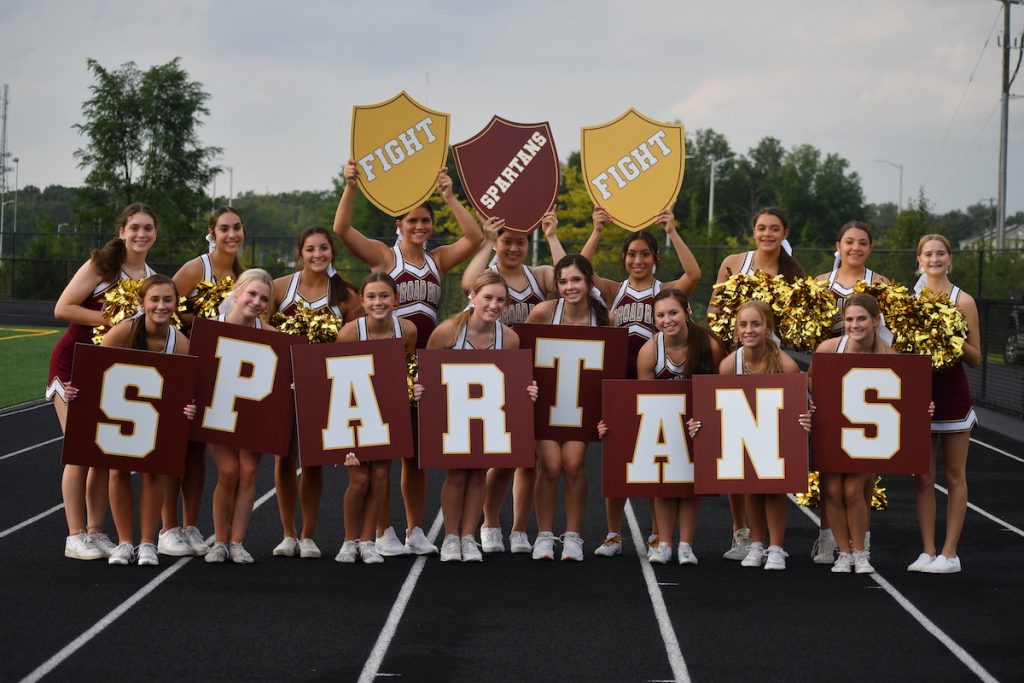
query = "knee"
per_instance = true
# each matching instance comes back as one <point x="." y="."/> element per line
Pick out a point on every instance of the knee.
<point x="550" y="471"/>
<point x="247" y="473"/>
<point x="477" y="477"/>
<point x="228" y="475"/>
<point x="833" y="487"/>
<point x="853" y="496"/>
<point x="380" y="475"/>
<point x="456" y="478"/>
<point x="358" y="480"/>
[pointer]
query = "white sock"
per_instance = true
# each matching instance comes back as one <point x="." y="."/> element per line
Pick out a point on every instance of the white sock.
<point x="825" y="533"/>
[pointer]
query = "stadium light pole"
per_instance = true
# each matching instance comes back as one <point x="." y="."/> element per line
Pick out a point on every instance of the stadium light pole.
<point x="16" y="166"/>
<point x="231" y="184"/>
<point x="899" y="207"/>
<point x="715" y="163"/>
<point x="2" y="206"/>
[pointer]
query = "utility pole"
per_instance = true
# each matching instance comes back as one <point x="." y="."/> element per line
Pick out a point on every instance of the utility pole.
<point x="3" y="160"/>
<point x="1003" y="117"/>
<point x="715" y="163"/>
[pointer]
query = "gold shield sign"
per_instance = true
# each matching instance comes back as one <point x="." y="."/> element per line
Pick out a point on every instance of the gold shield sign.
<point x="399" y="147"/>
<point x="633" y="167"/>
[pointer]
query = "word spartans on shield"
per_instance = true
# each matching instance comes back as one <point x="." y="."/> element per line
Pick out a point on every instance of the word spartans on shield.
<point x="128" y="413"/>
<point x="633" y="167"/>
<point x="399" y="146"/>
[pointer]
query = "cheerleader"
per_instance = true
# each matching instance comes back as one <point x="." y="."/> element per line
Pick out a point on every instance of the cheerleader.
<point x="462" y="494"/>
<point x="842" y="495"/>
<point x="853" y="246"/>
<point x="236" y="467"/>
<point x="632" y="308"/>
<point x="418" y="274"/>
<point x="369" y="482"/>
<point x="225" y="233"/>
<point x="317" y="286"/>
<point x="952" y="420"/>
<point x="84" y="489"/>
<point x="527" y="287"/>
<point x="771" y="256"/>
<point x="757" y="354"/>
<point x="152" y="331"/>
<point x="555" y="459"/>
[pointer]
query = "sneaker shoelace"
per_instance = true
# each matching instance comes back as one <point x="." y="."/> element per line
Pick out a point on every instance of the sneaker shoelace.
<point x="611" y="540"/>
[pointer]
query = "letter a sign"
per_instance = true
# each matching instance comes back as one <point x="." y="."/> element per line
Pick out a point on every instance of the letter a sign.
<point x="399" y="146"/>
<point x="633" y="167"/>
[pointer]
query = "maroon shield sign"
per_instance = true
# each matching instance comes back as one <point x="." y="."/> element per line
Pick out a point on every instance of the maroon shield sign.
<point x="243" y="394"/>
<point x="128" y="413"/>
<point x="352" y="398"/>
<point x="871" y="413"/>
<point x="475" y="411"/>
<point x="647" y="451"/>
<point x="569" y="364"/>
<point x="750" y="440"/>
<point x="510" y="171"/>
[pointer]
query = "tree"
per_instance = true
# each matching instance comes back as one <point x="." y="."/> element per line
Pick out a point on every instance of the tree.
<point x="143" y="145"/>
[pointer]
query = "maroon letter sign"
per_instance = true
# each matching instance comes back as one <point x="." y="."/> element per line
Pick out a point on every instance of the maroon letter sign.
<point x="647" y="451"/>
<point x="475" y="411"/>
<point x="569" y="364"/>
<point x="243" y="396"/>
<point x="871" y="413"/>
<point x="750" y="440"/>
<point x="510" y="170"/>
<point x="128" y="413"/>
<point x="352" y="397"/>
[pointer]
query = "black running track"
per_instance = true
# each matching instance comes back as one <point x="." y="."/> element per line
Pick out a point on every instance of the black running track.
<point x="509" y="618"/>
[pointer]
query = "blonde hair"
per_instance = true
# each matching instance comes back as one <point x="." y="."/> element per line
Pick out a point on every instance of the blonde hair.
<point x="773" y="359"/>
<point x="869" y="304"/>
<point x="488" y="277"/>
<point x="938" y="238"/>
<point x="251" y="274"/>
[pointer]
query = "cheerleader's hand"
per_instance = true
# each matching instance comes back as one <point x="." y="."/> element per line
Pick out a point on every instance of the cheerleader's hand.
<point x="531" y="391"/>
<point x="70" y="392"/>
<point x="549" y="224"/>
<point x="491" y="227"/>
<point x="417" y="392"/>
<point x="931" y="409"/>
<point x="190" y="411"/>
<point x="602" y="429"/>
<point x="350" y="172"/>
<point x="805" y="418"/>
<point x="692" y="427"/>
<point x="351" y="460"/>
<point x="600" y="218"/>
<point x="444" y="184"/>
<point x="667" y="220"/>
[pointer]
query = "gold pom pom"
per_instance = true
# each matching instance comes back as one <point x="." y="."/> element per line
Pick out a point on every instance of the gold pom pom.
<point x="928" y="325"/>
<point x="806" y="311"/>
<point x="879" y="499"/>
<point x="307" y="322"/>
<point x="120" y="302"/>
<point x="727" y="297"/>
<point x="209" y="296"/>
<point x="412" y="369"/>
<point x="812" y="497"/>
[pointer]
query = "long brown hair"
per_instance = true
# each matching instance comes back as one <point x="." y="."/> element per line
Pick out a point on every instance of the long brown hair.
<point x="789" y="269"/>
<point x="236" y="266"/>
<point x="773" y="355"/>
<point x="699" y="343"/>
<point x="338" y="288"/>
<point x="137" y="331"/>
<point x="869" y="304"/>
<point x="595" y="305"/>
<point x="109" y="258"/>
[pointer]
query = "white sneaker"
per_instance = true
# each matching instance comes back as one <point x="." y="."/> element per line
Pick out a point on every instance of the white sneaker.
<point x="147" y="555"/>
<point x="685" y="553"/>
<point x="660" y="555"/>
<point x="369" y="553"/>
<point x="217" y="553"/>
<point x="862" y="562"/>
<point x="238" y="554"/>
<point x="544" y="546"/>
<point x="308" y="548"/>
<point x="824" y="550"/>
<point x="922" y="561"/>
<point x="79" y="547"/>
<point x="740" y="545"/>
<point x="451" y="549"/>
<point x="388" y="545"/>
<point x="123" y="553"/>
<point x="610" y="546"/>
<point x="572" y="546"/>
<point x="195" y="540"/>
<point x="103" y="542"/>
<point x="491" y="539"/>
<point x="943" y="565"/>
<point x="755" y="555"/>
<point x="519" y="543"/>
<point x="776" y="558"/>
<point x="348" y="553"/>
<point x="843" y="564"/>
<point x="470" y="550"/>
<point x="173" y="542"/>
<point x="418" y="544"/>
<point x="652" y="544"/>
<point x="288" y="546"/>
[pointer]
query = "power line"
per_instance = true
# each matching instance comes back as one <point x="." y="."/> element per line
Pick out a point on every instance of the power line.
<point x="970" y="149"/>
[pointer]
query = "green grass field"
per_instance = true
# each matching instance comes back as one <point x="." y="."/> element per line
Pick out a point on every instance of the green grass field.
<point x="24" y="361"/>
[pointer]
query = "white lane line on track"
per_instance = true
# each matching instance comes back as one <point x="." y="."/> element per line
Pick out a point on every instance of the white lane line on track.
<point x="989" y="515"/>
<point x="927" y="624"/>
<point x="1000" y="451"/>
<point x="97" y="628"/>
<point x="30" y="448"/>
<point x="668" y="634"/>
<point x="24" y="410"/>
<point x="31" y="520"/>
<point x="380" y="648"/>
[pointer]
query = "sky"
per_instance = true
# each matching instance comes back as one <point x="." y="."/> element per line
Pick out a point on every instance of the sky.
<point x="909" y="82"/>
